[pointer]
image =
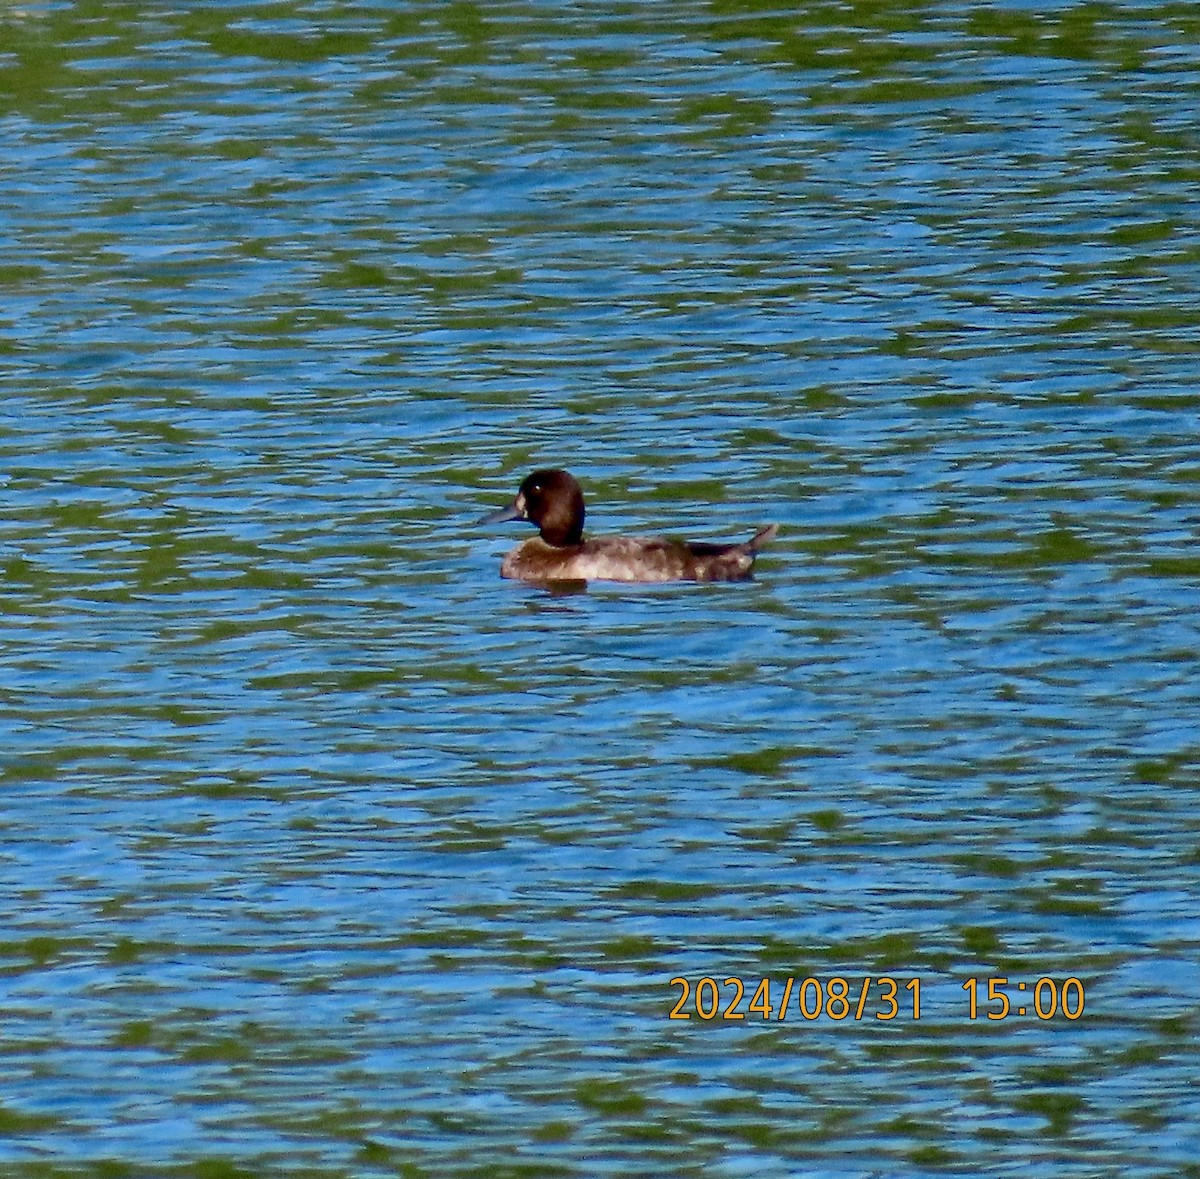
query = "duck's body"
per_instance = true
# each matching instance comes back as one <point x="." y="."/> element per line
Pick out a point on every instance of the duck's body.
<point x="552" y="500"/>
<point x="633" y="558"/>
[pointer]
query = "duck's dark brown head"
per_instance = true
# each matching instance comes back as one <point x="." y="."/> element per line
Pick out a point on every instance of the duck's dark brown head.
<point x="552" y="500"/>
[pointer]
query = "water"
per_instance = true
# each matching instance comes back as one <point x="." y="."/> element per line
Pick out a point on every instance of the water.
<point x="325" y="852"/>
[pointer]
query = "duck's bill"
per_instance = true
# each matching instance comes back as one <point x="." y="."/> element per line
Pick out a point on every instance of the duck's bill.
<point x="511" y="512"/>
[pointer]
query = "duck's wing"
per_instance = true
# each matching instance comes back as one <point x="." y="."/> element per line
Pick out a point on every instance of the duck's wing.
<point x="702" y="548"/>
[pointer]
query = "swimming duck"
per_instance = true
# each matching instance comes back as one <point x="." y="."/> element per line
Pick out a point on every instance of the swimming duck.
<point x="552" y="500"/>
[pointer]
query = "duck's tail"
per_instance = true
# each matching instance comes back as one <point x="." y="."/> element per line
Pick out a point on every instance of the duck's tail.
<point x="763" y="536"/>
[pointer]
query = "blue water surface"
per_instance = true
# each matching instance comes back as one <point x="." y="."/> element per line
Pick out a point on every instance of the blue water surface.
<point x="324" y="851"/>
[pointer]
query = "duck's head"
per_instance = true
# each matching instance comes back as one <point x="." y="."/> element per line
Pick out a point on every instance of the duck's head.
<point x="552" y="500"/>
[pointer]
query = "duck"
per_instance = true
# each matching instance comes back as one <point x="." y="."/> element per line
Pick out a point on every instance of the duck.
<point x="552" y="500"/>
